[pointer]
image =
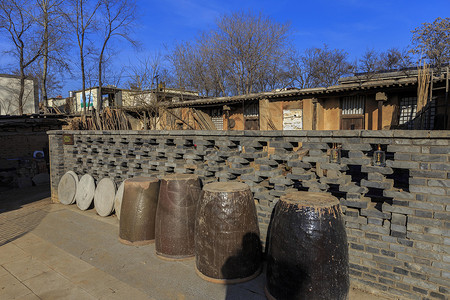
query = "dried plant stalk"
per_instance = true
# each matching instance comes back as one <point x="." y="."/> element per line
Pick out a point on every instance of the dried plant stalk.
<point x="423" y="86"/>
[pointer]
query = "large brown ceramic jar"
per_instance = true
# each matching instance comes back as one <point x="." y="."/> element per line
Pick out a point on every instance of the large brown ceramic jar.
<point x="227" y="243"/>
<point x="138" y="211"/>
<point x="307" y="249"/>
<point x="175" y="216"/>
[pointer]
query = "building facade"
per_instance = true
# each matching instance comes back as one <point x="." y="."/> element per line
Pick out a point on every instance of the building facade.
<point x="112" y="97"/>
<point x="381" y="101"/>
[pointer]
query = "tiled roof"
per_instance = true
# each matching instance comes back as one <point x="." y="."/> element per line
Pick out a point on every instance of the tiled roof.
<point x="315" y="92"/>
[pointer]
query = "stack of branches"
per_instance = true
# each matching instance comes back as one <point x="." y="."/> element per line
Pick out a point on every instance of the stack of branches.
<point x="159" y="117"/>
<point x="108" y="119"/>
<point x="147" y="114"/>
<point x="173" y="119"/>
<point x="203" y="120"/>
<point x="147" y="118"/>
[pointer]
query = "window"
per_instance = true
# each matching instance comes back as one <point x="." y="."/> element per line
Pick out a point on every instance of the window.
<point x="217" y="117"/>
<point x="353" y="105"/>
<point x="408" y="111"/>
<point x="251" y="115"/>
<point x="429" y="114"/>
<point x="251" y="109"/>
<point x="353" y="112"/>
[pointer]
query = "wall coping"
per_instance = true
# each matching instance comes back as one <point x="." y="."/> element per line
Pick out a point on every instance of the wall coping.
<point x="402" y="134"/>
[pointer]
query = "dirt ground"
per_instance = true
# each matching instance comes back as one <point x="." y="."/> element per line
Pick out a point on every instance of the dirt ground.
<point x="52" y="251"/>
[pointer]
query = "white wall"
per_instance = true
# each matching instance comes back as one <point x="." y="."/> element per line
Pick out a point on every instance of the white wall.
<point x="9" y="96"/>
<point x="90" y="94"/>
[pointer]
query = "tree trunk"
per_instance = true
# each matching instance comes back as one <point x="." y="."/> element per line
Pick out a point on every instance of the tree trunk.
<point x="22" y="81"/>
<point x="83" y="78"/>
<point x="22" y="90"/>
<point x="45" y="63"/>
<point x="100" y="83"/>
<point x="100" y="64"/>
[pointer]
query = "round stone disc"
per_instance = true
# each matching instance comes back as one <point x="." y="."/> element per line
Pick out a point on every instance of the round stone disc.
<point x="67" y="188"/>
<point x="75" y="176"/>
<point x="118" y="199"/>
<point x="85" y="192"/>
<point x="104" y="197"/>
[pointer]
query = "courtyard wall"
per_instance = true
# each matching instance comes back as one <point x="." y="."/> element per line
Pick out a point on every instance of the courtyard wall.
<point x="397" y="216"/>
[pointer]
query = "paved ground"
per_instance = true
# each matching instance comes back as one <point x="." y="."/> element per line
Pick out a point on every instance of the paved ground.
<point x="52" y="251"/>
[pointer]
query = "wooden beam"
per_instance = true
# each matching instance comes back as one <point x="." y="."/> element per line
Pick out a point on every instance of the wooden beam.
<point x="380" y="114"/>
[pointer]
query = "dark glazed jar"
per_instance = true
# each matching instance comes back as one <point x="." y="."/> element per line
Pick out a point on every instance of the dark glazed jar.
<point x="227" y="243"/>
<point x="138" y="211"/>
<point x="175" y="216"/>
<point x="307" y="255"/>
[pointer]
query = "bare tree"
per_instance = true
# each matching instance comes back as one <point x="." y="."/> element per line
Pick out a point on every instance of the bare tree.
<point x="142" y="75"/>
<point x="396" y="59"/>
<point x="198" y="67"/>
<point x="111" y="75"/>
<point x="249" y="42"/>
<point x="285" y="73"/>
<point x="432" y="42"/>
<point x="370" y="63"/>
<point x="16" y="18"/>
<point x="118" y="17"/>
<point x="91" y="79"/>
<point x="189" y="68"/>
<point x="235" y="57"/>
<point x="373" y="62"/>
<point x="324" y="66"/>
<point x="81" y="16"/>
<point x="211" y="67"/>
<point x="50" y="18"/>
<point x="148" y="97"/>
<point x="54" y="82"/>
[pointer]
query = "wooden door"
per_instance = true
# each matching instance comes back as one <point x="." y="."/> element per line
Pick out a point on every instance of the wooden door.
<point x="352" y="122"/>
<point x="251" y="124"/>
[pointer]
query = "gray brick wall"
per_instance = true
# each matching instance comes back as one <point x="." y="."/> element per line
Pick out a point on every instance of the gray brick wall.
<point x="397" y="217"/>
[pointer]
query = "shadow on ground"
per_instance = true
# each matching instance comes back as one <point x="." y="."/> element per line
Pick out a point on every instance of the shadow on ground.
<point x="32" y="202"/>
<point x="244" y="264"/>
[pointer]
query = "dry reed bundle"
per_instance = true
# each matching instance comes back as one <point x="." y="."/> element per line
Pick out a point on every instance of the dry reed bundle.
<point x="423" y="85"/>
<point x="109" y="119"/>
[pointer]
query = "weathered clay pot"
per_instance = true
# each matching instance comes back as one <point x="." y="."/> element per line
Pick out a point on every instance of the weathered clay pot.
<point x="175" y="216"/>
<point x="307" y="249"/>
<point x="227" y="243"/>
<point x="138" y="211"/>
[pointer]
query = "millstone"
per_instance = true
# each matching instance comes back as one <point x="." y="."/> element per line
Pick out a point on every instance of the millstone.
<point x="67" y="188"/>
<point x="75" y="176"/>
<point x="118" y="199"/>
<point x="104" y="197"/>
<point x="85" y="192"/>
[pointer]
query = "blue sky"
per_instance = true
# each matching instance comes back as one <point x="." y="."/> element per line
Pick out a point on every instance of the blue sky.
<point x="351" y="25"/>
